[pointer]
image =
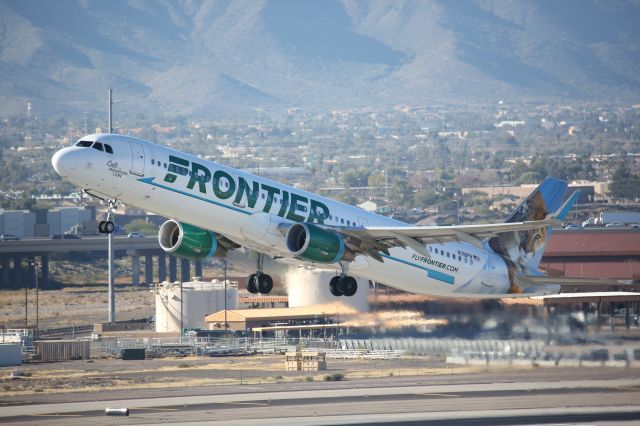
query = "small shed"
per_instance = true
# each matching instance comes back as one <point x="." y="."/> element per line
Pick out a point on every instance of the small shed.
<point x="305" y="361"/>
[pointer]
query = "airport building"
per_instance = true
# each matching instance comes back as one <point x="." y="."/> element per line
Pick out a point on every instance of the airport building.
<point x="597" y="253"/>
<point x="280" y="318"/>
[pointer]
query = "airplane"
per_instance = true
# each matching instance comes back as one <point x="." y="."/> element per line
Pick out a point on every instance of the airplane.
<point x="215" y="209"/>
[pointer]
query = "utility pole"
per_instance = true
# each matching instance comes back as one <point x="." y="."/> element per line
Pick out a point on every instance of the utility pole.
<point x="112" y="294"/>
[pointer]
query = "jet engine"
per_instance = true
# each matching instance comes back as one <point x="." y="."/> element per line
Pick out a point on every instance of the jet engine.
<point x="315" y="244"/>
<point x="187" y="241"/>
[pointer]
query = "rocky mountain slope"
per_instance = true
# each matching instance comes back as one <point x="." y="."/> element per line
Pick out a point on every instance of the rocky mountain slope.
<point x="222" y="57"/>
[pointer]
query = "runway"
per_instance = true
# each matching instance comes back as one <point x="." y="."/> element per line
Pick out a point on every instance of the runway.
<point x="508" y="403"/>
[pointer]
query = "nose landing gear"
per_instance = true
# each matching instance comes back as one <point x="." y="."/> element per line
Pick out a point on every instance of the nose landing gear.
<point x="107" y="226"/>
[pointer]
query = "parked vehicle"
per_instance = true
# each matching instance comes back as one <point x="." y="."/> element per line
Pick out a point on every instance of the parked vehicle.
<point x="8" y="237"/>
<point x="624" y="218"/>
<point x="135" y="235"/>
<point x="614" y="225"/>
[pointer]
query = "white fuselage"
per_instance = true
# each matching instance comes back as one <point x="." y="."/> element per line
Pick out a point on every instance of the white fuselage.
<point x="247" y="209"/>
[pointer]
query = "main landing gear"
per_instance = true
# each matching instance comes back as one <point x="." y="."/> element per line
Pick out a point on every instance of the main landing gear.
<point x="107" y="226"/>
<point x="343" y="284"/>
<point x="260" y="282"/>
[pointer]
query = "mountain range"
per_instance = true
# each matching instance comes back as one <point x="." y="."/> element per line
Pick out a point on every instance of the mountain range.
<point x="211" y="58"/>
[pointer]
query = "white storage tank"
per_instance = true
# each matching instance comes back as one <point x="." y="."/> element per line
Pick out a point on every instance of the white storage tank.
<point x="198" y="300"/>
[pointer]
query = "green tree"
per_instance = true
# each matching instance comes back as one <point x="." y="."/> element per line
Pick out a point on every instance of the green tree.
<point x="624" y="184"/>
<point x="142" y="226"/>
<point x="356" y="177"/>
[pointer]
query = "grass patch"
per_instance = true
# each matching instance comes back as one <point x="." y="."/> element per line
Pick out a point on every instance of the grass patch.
<point x="184" y="365"/>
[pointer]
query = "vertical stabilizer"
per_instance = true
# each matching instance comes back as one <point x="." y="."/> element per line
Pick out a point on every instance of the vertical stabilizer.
<point x="522" y="250"/>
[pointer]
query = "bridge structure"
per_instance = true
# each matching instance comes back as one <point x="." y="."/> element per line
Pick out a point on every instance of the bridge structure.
<point x="17" y="259"/>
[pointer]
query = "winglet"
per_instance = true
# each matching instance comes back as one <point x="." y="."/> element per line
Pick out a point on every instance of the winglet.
<point x="564" y="209"/>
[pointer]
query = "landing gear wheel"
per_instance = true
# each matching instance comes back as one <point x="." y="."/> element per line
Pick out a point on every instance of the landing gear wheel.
<point x="108" y="227"/>
<point x="349" y="286"/>
<point x="101" y="227"/>
<point x="333" y="286"/>
<point x="251" y="284"/>
<point x="265" y="283"/>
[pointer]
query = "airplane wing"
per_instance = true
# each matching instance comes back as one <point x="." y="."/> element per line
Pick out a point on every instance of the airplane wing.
<point x="371" y="240"/>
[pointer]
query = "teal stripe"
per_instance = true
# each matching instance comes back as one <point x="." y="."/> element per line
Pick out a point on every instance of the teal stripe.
<point x="168" y="188"/>
<point x="436" y="275"/>
<point x="440" y="276"/>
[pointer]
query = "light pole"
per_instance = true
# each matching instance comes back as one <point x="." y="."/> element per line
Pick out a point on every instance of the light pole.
<point x="35" y="269"/>
<point x="457" y="209"/>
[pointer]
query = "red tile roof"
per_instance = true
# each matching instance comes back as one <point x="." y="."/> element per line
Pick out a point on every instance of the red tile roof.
<point x="593" y="242"/>
<point x="597" y="270"/>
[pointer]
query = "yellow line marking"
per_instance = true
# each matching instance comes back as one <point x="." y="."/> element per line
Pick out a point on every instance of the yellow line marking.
<point x="448" y="395"/>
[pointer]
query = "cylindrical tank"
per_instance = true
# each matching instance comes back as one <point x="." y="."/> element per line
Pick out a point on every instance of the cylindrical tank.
<point x="199" y="299"/>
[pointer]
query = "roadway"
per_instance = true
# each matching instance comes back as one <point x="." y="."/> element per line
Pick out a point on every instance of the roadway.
<point x="32" y="246"/>
<point x="600" y="401"/>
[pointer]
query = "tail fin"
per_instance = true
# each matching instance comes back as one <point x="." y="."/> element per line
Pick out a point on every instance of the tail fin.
<point x="522" y="250"/>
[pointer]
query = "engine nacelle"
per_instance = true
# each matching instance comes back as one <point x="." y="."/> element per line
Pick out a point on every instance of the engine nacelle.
<point x="187" y="241"/>
<point x="315" y="244"/>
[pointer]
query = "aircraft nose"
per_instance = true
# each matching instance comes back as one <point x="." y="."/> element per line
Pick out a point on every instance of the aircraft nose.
<point x="62" y="162"/>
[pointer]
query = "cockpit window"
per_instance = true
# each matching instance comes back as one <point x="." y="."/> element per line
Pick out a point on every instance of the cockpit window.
<point x="108" y="148"/>
<point x="97" y="146"/>
<point x="84" y="144"/>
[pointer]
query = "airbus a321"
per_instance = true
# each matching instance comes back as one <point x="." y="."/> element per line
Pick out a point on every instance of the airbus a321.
<point x="215" y="209"/>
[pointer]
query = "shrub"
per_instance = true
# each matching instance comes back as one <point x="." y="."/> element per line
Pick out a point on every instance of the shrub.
<point x="335" y="377"/>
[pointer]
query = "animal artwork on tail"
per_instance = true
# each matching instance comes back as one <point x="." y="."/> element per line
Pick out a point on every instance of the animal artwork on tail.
<point x="522" y="250"/>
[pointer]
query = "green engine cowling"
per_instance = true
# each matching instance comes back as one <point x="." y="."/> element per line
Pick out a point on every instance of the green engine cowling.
<point x="312" y="243"/>
<point x="187" y="241"/>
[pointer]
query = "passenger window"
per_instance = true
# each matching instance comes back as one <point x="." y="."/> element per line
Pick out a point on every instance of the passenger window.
<point x="342" y="221"/>
<point x="152" y="162"/>
<point x="84" y="144"/>
<point x="165" y="165"/>
<point x="159" y="164"/>
<point x="430" y="249"/>
<point x="448" y="254"/>
<point x="108" y="148"/>
<point x="97" y="146"/>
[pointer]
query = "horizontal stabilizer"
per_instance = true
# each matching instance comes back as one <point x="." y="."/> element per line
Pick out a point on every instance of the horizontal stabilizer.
<point x="546" y="280"/>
